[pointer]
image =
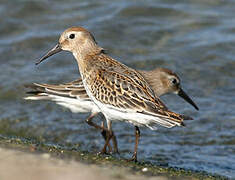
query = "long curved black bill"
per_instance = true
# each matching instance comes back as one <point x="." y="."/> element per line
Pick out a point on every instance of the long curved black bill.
<point x="53" y="51"/>
<point x="182" y="94"/>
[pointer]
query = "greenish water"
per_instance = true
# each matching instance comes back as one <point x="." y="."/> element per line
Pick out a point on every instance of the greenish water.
<point x="196" y="39"/>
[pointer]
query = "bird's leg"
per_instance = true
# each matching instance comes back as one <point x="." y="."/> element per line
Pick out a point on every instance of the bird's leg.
<point x="114" y="139"/>
<point x="104" y="134"/>
<point x="115" y="144"/>
<point x="89" y="121"/>
<point x="108" y="137"/>
<point x="104" y="131"/>
<point x="137" y="136"/>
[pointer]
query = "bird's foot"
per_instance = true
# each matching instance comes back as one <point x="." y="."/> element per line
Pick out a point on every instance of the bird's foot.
<point x="133" y="158"/>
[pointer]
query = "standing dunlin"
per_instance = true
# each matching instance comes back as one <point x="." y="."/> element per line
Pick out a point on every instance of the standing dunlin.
<point x="121" y="93"/>
<point x="73" y="95"/>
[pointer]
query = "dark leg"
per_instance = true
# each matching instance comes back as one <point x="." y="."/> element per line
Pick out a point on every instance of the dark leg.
<point x="114" y="139"/>
<point x="115" y="144"/>
<point x="89" y="121"/>
<point x="108" y="137"/>
<point x="137" y="136"/>
<point x="104" y="134"/>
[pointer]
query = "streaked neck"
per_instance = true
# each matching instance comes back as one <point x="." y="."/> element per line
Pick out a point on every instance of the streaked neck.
<point x="84" y="53"/>
<point x="153" y="78"/>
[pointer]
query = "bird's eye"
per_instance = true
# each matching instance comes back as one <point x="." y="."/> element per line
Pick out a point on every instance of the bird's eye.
<point x="72" y="36"/>
<point x="174" y="81"/>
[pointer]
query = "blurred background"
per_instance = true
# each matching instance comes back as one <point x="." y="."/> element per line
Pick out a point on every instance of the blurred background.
<point x="196" y="39"/>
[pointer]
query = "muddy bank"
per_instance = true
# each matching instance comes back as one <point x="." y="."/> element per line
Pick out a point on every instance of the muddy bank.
<point x="22" y="159"/>
<point x="20" y="165"/>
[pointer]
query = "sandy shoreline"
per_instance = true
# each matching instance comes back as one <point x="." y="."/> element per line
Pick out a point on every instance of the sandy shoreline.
<point x="25" y="160"/>
<point x="20" y="165"/>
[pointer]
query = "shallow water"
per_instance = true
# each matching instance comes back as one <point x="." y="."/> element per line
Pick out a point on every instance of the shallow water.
<point x="196" y="39"/>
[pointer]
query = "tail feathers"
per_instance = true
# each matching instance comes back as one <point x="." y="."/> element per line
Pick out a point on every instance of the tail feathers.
<point x="179" y="118"/>
<point x="74" y="85"/>
<point x="167" y="119"/>
<point x="57" y="90"/>
<point x="39" y="96"/>
<point x="34" y="89"/>
<point x="36" y="92"/>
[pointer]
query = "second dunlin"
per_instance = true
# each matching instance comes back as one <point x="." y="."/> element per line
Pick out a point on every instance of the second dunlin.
<point x="121" y="93"/>
<point x="73" y="95"/>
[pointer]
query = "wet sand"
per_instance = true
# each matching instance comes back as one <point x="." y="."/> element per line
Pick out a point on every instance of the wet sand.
<point x="195" y="39"/>
<point x="23" y="160"/>
<point x="20" y="165"/>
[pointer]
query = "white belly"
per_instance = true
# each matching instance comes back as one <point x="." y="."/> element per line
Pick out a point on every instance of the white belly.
<point x="112" y="113"/>
<point x="75" y="105"/>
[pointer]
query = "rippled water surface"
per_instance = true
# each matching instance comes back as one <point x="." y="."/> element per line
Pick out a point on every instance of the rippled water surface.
<point x="196" y="39"/>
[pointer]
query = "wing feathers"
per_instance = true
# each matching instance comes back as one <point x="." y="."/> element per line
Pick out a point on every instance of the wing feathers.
<point x="134" y="95"/>
<point x="74" y="89"/>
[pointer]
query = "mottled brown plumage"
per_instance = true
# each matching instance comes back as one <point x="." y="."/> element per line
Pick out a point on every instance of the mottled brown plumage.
<point x="160" y="79"/>
<point x="121" y="93"/>
<point x="108" y="79"/>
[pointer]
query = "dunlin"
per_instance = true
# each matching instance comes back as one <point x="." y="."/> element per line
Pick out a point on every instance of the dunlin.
<point x="121" y="93"/>
<point x="73" y="95"/>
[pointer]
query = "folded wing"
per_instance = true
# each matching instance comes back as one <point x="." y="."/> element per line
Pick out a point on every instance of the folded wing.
<point x="132" y="94"/>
